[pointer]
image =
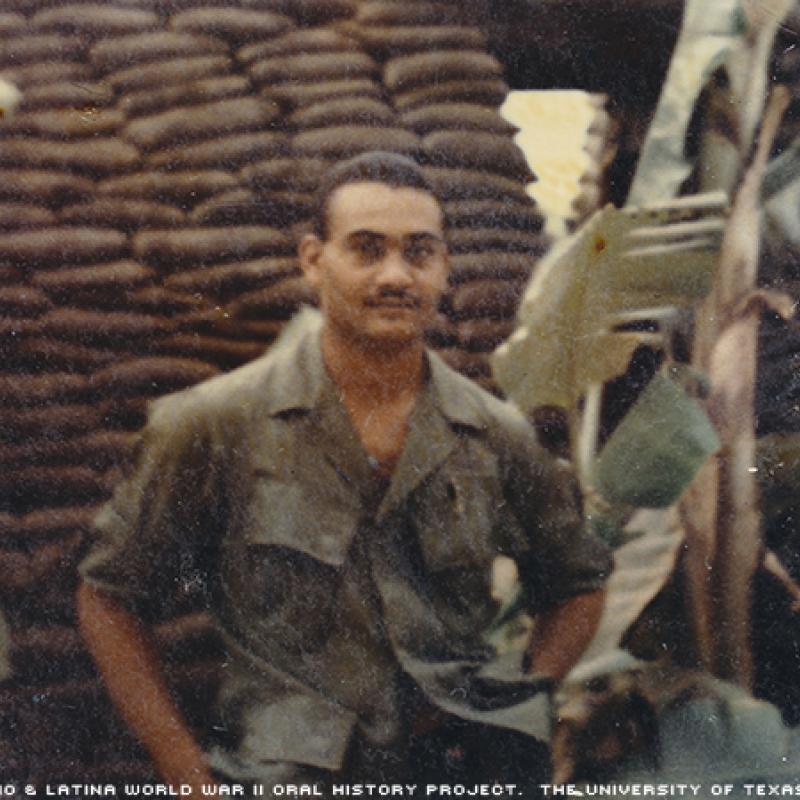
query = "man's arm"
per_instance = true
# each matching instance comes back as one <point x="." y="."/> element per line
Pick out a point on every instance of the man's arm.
<point x="123" y="650"/>
<point x="562" y="633"/>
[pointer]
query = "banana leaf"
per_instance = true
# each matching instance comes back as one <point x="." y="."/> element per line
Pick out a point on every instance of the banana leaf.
<point x="598" y="280"/>
<point x="710" y="33"/>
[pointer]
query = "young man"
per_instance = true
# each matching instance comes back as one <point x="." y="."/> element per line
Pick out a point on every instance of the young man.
<point x="344" y="499"/>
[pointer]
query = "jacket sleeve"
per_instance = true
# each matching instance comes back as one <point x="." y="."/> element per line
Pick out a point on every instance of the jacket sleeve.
<point x="558" y="556"/>
<point x="152" y="539"/>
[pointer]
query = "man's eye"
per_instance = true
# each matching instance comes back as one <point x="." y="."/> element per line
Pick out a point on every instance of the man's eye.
<point x="419" y="254"/>
<point x="368" y="251"/>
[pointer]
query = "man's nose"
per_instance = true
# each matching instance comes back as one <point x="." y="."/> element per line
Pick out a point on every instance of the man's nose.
<point x="395" y="270"/>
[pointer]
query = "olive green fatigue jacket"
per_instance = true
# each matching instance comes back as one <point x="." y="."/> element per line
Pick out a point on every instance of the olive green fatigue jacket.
<point x="331" y="591"/>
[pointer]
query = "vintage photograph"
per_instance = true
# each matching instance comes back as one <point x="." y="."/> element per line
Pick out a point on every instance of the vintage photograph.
<point x="399" y="398"/>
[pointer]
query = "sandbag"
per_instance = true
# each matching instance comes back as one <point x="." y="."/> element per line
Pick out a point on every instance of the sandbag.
<point x="12" y="24"/>
<point x="456" y="116"/>
<point x="403" y="14"/>
<point x="22" y="50"/>
<point x="494" y="214"/>
<point x="235" y="25"/>
<point x="243" y="207"/>
<point x="386" y="42"/>
<point x="239" y="206"/>
<point x="174" y="6"/>
<point x="168" y="73"/>
<point x="24" y="215"/>
<point x="475" y="240"/>
<point x="276" y="302"/>
<point x="32" y="75"/>
<point x="185" y="188"/>
<point x="344" y="141"/>
<point x="66" y="123"/>
<point x="40" y="353"/>
<point x="150" y="376"/>
<point x="126" y="414"/>
<point x="95" y="19"/>
<point x="362" y="111"/>
<point x="63" y="244"/>
<point x="173" y="249"/>
<point x="285" y="174"/>
<point x="442" y="332"/>
<point x="48" y="422"/>
<point x="119" y="276"/>
<point x="11" y="274"/>
<point x="476" y="150"/>
<point x="486" y="298"/>
<point x="24" y="489"/>
<point x="102" y="450"/>
<point x="490" y="264"/>
<point x="296" y="43"/>
<point x="65" y="94"/>
<point x="404" y="73"/>
<point x="162" y="301"/>
<point x="483" y="335"/>
<point x="123" y="52"/>
<point x="23" y="301"/>
<point x="314" y="67"/>
<point x="99" y="450"/>
<point x="127" y="215"/>
<point x="490" y="93"/>
<point x="317" y="12"/>
<point x="472" y="365"/>
<point x="182" y="125"/>
<point x="225" y="353"/>
<point x="195" y="92"/>
<point x="44" y="186"/>
<point x="229" y="152"/>
<point x="104" y="156"/>
<point x="44" y="524"/>
<point x="463" y="184"/>
<point x="233" y="278"/>
<point x="50" y="654"/>
<point x="301" y="95"/>
<point x="106" y="327"/>
<point x="29" y="390"/>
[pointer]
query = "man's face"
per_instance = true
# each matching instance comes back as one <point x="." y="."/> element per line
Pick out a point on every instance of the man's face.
<point x="383" y="267"/>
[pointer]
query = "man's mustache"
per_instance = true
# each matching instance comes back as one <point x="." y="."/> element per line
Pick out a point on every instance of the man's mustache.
<point x="390" y="297"/>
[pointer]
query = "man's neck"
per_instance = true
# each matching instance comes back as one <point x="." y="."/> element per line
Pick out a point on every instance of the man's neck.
<point x="366" y="374"/>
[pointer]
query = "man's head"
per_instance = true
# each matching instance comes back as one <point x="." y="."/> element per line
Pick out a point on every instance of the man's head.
<point x="377" y="256"/>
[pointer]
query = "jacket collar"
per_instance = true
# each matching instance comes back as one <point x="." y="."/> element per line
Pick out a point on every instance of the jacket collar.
<point x="298" y="376"/>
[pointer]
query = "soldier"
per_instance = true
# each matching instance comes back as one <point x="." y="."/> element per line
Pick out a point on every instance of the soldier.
<point x="343" y="500"/>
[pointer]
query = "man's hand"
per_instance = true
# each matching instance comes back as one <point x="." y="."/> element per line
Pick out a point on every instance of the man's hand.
<point x="562" y="634"/>
<point x="126" y="658"/>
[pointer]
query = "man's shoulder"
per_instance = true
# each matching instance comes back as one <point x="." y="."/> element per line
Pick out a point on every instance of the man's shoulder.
<point x="465" y="402"/>
<point x="246" y="389"/>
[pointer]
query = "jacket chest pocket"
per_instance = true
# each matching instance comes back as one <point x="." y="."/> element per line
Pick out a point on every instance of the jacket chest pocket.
<point x="292" y="557"/>
<point x="458" y="514"/>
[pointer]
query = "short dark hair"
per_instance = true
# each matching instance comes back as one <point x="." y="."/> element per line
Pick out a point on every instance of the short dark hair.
<point x="375" y="167"/>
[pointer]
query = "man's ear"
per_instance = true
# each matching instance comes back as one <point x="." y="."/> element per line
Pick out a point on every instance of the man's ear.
<point x="309" y="252"/>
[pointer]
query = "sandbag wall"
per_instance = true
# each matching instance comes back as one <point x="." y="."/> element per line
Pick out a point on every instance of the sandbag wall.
<point x="152" y="187"/>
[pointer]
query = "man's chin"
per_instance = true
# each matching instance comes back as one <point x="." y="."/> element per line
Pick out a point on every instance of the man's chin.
<point x="394" y="334"/>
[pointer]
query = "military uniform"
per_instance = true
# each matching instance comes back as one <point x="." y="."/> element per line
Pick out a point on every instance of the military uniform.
<point x="341" y="595"/>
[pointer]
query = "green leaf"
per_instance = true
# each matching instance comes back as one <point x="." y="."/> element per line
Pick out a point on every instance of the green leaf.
<point x="618" y="263"/>
<point x="657" y="448"/>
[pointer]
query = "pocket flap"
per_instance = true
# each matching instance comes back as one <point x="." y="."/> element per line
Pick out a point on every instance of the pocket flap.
<point x="288" y="515"/>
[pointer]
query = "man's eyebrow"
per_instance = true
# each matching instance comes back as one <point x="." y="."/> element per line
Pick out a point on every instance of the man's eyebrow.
<point x="365" y="233"/>
<point x="424" y="236"/>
